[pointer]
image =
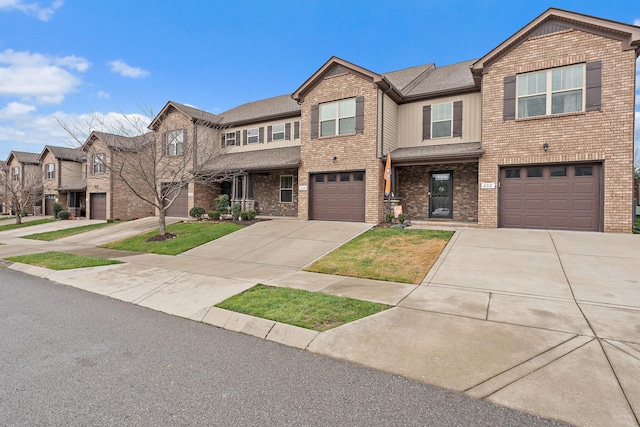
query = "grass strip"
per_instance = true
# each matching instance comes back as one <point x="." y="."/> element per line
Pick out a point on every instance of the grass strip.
<point x="59" y="234"/>
<point x="390" y="254"/>
<point x="310" y="310"/>
<point x="7" y="227"/>
<point x="61" y="261"/>
<point x="189" y="236"/>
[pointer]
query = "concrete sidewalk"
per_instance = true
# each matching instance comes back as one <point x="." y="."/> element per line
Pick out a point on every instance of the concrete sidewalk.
<point x="545" y="322"/>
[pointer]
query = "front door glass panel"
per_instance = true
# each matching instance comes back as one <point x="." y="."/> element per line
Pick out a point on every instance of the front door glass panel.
<point x="441" y="195"/>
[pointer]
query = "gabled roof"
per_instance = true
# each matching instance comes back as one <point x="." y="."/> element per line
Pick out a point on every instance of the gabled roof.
<point x="553" y="20"/>
<point x="264" y="109"/>
<point x="118" y="142"/>
<point x="199" y="116"/>
<point x="406" y="78"/>
<point x="64" y="153"/>
<point x="437" y="81"/>
<point x="258" y="160"/>
<point x="24" y="158"/>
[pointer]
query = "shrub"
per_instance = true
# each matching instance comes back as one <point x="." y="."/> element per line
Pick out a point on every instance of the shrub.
<point x="214" y="215"/>
<point x="57" y="207"/>
<point x="388" y="217"/>
<point x="196" y="212"/>
<point x="222" y="203"/>
<point x="401" y="218"/>
<point x="64" y="215"/>
<point x="25" y="213"/>
<point x="235" y="211"/>
<point x="252" y="214"/>
<point x="244" y="215"/>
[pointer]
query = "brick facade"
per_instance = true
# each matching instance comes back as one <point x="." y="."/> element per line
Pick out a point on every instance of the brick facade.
<point x="605" y="136"/>
<point x="413" y="190"/>
<point x="266" y="194"/>
<point x="352" y="152"/>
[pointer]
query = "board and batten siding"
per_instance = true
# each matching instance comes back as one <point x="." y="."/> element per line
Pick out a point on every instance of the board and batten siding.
<point x="264" y="145"/>
<point x="410" y="121"/>
<point x="389" y="128"/>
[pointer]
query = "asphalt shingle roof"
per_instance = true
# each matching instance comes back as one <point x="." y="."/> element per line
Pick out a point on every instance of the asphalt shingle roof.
<point x="437" y="152"/>
<point x="275" y="158"/>
<point x="66" y="153"/>
<point x="442" y="79"/>
<point x="264" y="108"/>
<point x="401" y="78"/>
<point x="26" y="158"/>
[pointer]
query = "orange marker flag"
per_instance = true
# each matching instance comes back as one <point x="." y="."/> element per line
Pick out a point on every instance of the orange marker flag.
<point x="387" y="176"/>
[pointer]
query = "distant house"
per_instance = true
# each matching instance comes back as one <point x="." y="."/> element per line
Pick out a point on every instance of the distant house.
<point x="63" y="179"/>
<point x="23" y="183"/>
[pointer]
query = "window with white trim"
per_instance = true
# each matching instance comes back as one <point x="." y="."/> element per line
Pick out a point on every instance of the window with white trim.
<point x="554" y="91"/>
<point x="51" y="170"/>
<point x="230" y="138"/>
<point x="15" y="173"/>
<point x="253" y="135"/>
<point x="277" y="132"/>
<point x="441" y="120"/>
<point x="97" y="164"/>
<point x="175" y="142"/>
<point x="338" y="117"/>
<point x="286" y="188"/>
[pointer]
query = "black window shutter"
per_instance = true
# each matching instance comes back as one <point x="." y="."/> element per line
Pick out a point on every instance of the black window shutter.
<point x="509" y="106"/>
<point x="593" y="99"/>
<point x="360" y="114"/>
<point x="261" y="135"/>
<point x="426" y="122"/>
<point x="287" y="131"/>
<point x="269" y="133"/>
<point x="237" y="137"/>
<point x="314" y="121"/>
<point x="296" y="130"/>
<point x="222" y="139"/>
<point x="457" y="118"/>
<point x="244" y="137"/>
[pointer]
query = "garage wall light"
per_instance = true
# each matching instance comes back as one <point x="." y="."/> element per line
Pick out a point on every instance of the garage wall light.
<point x="545" y="147"/>
<point x="335" y="159"/>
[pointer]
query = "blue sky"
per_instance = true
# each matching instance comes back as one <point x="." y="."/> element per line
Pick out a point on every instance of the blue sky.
<point x="73" y="58"/>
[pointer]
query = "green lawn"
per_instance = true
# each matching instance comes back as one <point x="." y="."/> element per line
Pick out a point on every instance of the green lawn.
<point x="310" y="310"/>
<point x="61" y="261"/>
<point x="25" y="224"/>
<point x="637" y="224"/>
<point x="6" y="217"/>
<point x="391" y="254"/>
<point x="59" y="234"/>
<point x="189" y="236"/>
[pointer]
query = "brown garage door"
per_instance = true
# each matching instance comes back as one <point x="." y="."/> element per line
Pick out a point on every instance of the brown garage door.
<point x="337" y="197"/>
<point x="49" y="200"/>
<point x="180" y="206"/>
<point x="98" y="205"/>
<point x="560" y="197"/>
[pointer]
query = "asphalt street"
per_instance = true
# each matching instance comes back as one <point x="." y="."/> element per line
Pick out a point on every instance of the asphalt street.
<point x="71" y="357"/>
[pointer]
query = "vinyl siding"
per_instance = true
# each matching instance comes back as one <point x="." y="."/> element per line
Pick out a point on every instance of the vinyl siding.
<point x="265" y="145"/>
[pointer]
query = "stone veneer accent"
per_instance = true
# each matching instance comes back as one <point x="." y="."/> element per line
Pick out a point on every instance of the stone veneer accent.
<point x="413" y="190"/>
<point x="266" y="192"/>
<point x="353" y="152"/>
<point x="605" y="136"/>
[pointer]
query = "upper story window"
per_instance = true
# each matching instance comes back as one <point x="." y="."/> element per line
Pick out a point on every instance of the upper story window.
<point x="338" y="117"/>
<point x="277" y="132"/>
<point x="97" y="164"/>
<point x="441" y="120"/>
<point x="51" y="170"/>
<point x="253" y="135"/>
<point x="554" y="91"/>
<point x="230" y="138"/>
<point x="15" y="173"/>
<point x="175" y="142"/>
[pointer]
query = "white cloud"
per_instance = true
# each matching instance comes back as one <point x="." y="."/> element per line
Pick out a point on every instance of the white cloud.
<point x="125" y="70"/>
<point x="46" y="78"/>
<point x="34" y="9"/>
<point x="103" y="95"/>
<point x="636" y="22"/>
<point x="15" y="109"/>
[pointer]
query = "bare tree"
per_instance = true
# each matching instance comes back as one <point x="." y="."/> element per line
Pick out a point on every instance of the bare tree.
<point x="156" y="165"/>
<point x="23" y="188"/>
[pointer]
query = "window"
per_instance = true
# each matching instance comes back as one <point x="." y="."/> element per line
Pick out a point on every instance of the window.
<point x="584" y="171"/>
<point x="338" y="118"/>
<point x="51" y="170"/>
<point x="16" y="173"/>
<point x="286" y="188"/>
<point x="553" y="91"/>
<point x="98" y="163"/>
<point x="175" y="142"/>
<point x="534" y="173"/>
<point x="230" y="138"/>
<point x="253" y="136"/>
<point x="558" y="171"/>
<point x="278" y="132"/>
<point x="512" y="173"/>
<point x="441" y="120"/>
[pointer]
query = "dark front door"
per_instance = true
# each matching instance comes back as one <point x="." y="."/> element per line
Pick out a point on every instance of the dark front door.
<point x="440" y="195"/>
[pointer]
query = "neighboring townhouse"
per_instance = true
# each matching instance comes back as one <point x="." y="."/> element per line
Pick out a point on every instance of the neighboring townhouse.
<point x="24" y="182"/>
<point x="64" y="179"/>
<point x="107" y="196"/>
<point x="3" y="186"/>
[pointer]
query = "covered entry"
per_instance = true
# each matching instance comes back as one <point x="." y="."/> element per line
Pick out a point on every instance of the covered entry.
<point x="560" y="197"/>
<point x="337" y="196"/>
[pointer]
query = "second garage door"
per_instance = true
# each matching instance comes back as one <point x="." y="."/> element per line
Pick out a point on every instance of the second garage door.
<point x="337" y="197"/>
<point x="180" y="206"/>
<point x="98" y="205"/>
<point x="560" y="197"/>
